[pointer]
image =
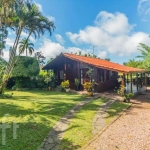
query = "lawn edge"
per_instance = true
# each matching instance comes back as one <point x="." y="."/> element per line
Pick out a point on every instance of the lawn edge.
<point x="114" y="119"/>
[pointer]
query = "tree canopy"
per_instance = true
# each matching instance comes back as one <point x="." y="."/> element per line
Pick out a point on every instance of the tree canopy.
<point x="145" y="51"/>
<point x="26" y="46"/>
<point x="134" y="63"/>
<point x="26" y="67"/>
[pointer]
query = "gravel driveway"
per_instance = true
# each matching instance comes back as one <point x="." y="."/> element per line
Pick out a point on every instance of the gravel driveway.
<point x="131" y="131"/>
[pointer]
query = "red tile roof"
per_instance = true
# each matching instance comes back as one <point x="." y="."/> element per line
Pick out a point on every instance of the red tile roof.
<point x="100" y="63"/>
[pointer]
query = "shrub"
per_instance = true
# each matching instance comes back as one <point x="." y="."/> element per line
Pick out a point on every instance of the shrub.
<point x="65" y="84"/>
<point x="59" y="88"/>
<point x="5" y="96"/>
<point x="88" y="86"/>
<point x="14" y="87"/>
<point x="121" y="90"/>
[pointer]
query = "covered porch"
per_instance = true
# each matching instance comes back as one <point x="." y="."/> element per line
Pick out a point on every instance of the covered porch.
<point x="134" y="82"/>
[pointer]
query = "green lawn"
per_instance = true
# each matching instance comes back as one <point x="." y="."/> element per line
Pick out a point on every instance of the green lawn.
<point x="115" y="109"/>
<point x="80" y="129"/>
<point x="35" y="112"/>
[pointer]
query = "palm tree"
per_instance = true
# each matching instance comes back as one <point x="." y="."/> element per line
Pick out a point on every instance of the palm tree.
<point x="28" y="18"/>
<point x="26" y="46"/>
<point x="145" y="51"/>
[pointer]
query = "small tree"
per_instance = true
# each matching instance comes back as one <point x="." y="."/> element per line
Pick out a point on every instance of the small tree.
<point x="90" y="73"/>
<point x="40" y="57"/>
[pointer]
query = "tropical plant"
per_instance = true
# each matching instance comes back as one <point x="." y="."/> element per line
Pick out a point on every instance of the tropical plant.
<point x="145" y="51"/>
<point x="49" y="79"/>
<point x="90" y="73"/>
<point x="76" y="82"/>
<point x="24" y="16"/>
<point x="129" y="96"/>
<point x="65" y="84"/>
<point x="88" y="86"/>
<point x="26" y="46"/>
<point x="133" y="63"/>
<point x="121" y="90"/>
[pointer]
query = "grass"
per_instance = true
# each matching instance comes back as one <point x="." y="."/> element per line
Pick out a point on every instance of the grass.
<point x="35" y="112"/>
<point x="115" y="109"/>
<point x="80" y="129"/>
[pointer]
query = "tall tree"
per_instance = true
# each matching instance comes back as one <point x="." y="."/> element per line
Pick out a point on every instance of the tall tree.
<point x="26" y="46"/>
<point x="24" y="17"/>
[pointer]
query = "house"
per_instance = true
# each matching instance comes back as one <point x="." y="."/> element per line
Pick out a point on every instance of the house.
<point x="105" y="73"/>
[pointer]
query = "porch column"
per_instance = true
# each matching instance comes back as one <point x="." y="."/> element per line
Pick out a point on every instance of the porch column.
<point x="123" y="82"/>
<point x="127" y="78"/>
<point x="131" y="82"/>
<point x="141" y="79"/>
<point x="145" y="79"/>
<point x="124" y="78"/>
<point x="137" y="81"/>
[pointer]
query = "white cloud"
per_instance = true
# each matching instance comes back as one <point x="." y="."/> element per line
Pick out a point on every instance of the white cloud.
<point x="51" y="49"/>
<point x="111" y="33"/>
<point x="51" y="18"/>
<point x="6" y="55"/>
<point x="59" y="39"/>
<point x="102" y="54"/>
<point x="144" y="8"/>
<point x="26" y="35"/>
<point x="39" y="6"/>
<point x="9" y="42"/>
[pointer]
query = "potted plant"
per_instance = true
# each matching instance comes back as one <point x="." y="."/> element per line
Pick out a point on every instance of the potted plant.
<point x="128" y="97"/>
<point x="89" y="88"/>
<point x="65" y="85"/>
<point x="76" y="82"/>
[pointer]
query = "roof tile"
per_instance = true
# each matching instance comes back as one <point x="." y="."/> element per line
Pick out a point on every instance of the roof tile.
<point x="104" y="64"/>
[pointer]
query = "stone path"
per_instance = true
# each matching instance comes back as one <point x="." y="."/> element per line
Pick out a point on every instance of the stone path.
<point x="99" y="120"/>
<point x="52" y="141"/>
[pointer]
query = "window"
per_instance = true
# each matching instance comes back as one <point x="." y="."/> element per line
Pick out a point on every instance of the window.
<point x="81" y="73"/>
<point x="61" y="74"/>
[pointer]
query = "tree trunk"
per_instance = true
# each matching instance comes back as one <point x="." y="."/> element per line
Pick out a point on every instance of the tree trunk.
<point x="10" y="65"/>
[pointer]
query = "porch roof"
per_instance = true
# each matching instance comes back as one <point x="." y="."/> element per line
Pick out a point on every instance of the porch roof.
<point x="100" y="63"/>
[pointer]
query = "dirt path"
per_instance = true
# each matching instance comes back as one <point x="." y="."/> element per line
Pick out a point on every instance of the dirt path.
<point x="131" y="131"/>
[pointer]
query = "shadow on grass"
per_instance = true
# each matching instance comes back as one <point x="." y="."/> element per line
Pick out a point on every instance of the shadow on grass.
<point x="55" y="109"/>
<point x="29" y="136"/>
<point x="116" y="108"/>
<point x="68" y="145"/>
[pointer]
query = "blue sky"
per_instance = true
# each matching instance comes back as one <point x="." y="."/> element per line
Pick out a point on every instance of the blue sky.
<point x="113" y="27"/>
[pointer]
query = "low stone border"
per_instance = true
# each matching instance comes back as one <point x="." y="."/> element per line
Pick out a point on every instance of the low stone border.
<point x="105" y="128"/>
<point x="53" y="139"/>
<point x="99" y="120"/>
